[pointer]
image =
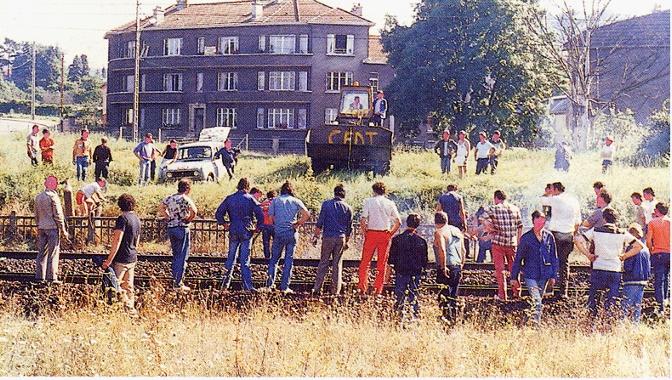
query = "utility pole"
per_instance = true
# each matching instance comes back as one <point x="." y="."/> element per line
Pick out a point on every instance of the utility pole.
<point x="32" y="104"/>
<point x="62" y="84"/>
<point x="136" y="73"/>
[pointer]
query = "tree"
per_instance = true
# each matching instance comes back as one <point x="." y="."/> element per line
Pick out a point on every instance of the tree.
<point x="75" y="70"/>
<point x="86" y="70"/>
<point x="19" y="56"/>
<point x="468" y="64"/>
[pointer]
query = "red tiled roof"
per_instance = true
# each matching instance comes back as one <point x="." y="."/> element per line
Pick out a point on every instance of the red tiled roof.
<point x="376" y="53"/>
<point x="239" y="12"/>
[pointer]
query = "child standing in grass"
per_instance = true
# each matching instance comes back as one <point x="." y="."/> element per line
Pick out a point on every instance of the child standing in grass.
<point x="408" y="257"/>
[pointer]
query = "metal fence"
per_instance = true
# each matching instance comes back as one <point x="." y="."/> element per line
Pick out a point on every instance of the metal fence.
<point x="206" y="235"/>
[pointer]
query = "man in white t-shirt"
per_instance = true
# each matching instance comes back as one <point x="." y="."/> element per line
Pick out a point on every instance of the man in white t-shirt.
<point x="482" y="153"/>
<point x="89" y="196"/>
<point x="607" y="153"/>
<point x="565" y="218"/>
<point x="648" y="204"/>
<point x="379" y="222"/>
<point x="610" y="244"/>
<point x="33" y="144"/>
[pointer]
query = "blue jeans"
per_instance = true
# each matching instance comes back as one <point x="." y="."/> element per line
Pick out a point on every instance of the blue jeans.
<point x="632" y="301"/>
<point x="449" y="289"/>
<point x="407" y="285"/>
<point x="660" y="265"/>
<point x="238" y="242"/>
<point x="282" y="241"/>
<point x="483" y="245"/>
<point x="445" y="164"/>
<point x="82" y="164"/>
<point x="600" y="280"/>
<point x="606" y="164"/>
<point x="180" y="242"/>
<point x="266" y="238"/>
<point x="536" y="290"/>
<point x="145" y="171"/>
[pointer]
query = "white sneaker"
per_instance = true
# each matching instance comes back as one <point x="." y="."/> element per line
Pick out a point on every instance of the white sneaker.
<point x="181" y="288"/>
<point x="265" y="289"/>
<point x="288" y="291"/>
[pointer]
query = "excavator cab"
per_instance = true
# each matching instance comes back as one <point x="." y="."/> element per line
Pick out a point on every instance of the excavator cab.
<point x="355" y="143"/>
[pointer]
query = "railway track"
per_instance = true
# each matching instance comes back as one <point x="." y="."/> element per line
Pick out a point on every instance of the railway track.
<point x="299" y="262"/>
<point x="298" y="286"/>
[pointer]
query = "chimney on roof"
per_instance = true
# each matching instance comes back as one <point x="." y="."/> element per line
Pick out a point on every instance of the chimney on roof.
<point x="357" y="9"/>
<point x="158" y="15"/>
<point x="181" y="4"/>
<point x="257" y="10"/>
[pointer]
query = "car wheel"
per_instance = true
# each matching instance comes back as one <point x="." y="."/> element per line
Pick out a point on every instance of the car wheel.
<point x="210" y="178"/>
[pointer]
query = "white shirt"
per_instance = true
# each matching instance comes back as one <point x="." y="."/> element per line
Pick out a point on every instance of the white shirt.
<point x="565" y="213"/>
<point x="91" y="189"/>
<point x="608" y="152"/>
<point x="649" y="207"/>
<point x="380" y="213"/>
<point x="34" y="142"/>
<point x="483" y="149"/>
<point x="607" y="248"/>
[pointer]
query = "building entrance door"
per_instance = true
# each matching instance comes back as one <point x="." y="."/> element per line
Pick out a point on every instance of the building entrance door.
<point x="196" y="118"/>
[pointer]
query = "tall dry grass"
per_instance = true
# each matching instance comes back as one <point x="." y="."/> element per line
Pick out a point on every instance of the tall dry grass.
<point x="275" y="336"/>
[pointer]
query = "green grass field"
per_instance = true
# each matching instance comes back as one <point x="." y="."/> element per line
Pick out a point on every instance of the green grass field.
<point x="414" y="182"/>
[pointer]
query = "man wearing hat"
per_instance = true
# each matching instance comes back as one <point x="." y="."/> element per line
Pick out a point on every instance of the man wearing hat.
<point x="607" y="153"/>
<point x="146" y="151"/>
<point x="445" y="148"/>
<point x="482" y="153"/>
<point x="379" y="109"/>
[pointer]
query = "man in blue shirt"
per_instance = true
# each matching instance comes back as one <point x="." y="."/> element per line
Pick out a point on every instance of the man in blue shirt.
<point x="242" y="210"/>
<point x="335" y="225"/>
<point x="146" y="151"/>
<point x="537" y="257"/>
<point x="288" y="214"/>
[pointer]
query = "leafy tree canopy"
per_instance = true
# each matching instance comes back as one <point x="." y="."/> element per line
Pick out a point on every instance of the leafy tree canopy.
<point x="471" y="65"/>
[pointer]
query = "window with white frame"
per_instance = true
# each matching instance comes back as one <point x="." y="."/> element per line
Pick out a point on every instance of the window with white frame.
<point x="282" y="44"/>
<point x="261" y="80"/>
<point x="170" y="116"/>
<point x="335" y="80"/>
<point x="262" y="44"/>
<point x="143" y="82"/>
<point x="303" y="43"/>
<point x="260" y="118"/>
<point x="144" y="50"/>
<point x="128" y="51"/>
<point x="128" y="116"/>
<point x="340" y="44"/>
<point x="302" y="118"/>
<point x="128" y="83"/>
<point x="330" y="115"/>
<point x="281" y="81"/>
<point x="374" y="82"/>
<point x="172" y="46"/>
<point x="199" y="82"/>
<point x="172" y="82"/>
<point x="227" y="81"/>
<point x="200" y="46"/>
<point x="226" y="117"/>
<point x="280" y="118"/>
<point x="303" y="81"/>
<point x="228" y="45"/>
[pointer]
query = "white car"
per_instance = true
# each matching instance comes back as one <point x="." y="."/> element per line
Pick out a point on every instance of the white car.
<point x="195" y="161"/>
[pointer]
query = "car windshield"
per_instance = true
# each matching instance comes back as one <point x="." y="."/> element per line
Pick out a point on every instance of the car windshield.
<point x="195" y="153"/>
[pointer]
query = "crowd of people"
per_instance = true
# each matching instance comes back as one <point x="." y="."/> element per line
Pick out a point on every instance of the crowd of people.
<point x="539" y="257"/>
<point x="486" y="152"/>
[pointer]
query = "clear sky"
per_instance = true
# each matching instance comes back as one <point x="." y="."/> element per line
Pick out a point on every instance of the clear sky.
<point x="78" y="26"/>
